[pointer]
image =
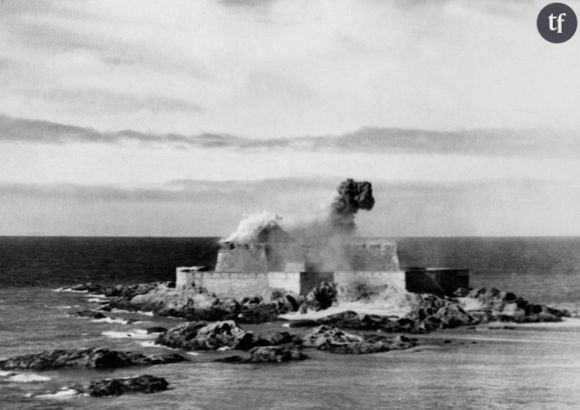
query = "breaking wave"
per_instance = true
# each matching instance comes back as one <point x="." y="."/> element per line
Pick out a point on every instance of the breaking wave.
<point x="388" y="302"/>
<point x="111" y="320"/>
<point x="64" y="393"/>
<point x="28" y="378"/>
<point x="140" y="334"/>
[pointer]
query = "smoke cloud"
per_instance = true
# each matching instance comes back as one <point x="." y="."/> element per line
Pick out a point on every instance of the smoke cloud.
<point x="258" y="228"/>
<point x="352" y="196"/>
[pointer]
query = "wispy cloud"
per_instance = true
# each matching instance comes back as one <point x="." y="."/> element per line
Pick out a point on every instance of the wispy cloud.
<point x="495" y="142"/>
<point x="282" y="67"/>
<point x="197" y="207"/>
<point x="172" y="191"/>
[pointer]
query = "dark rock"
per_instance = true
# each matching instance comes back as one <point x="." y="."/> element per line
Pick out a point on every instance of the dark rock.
<point x="89" y="314"/>
<point x="335" y="340"/>
<point x="197" y="304"/>
<point x="304" y="323"/>
<point x="508" y="307"/>
<point x="92" y="358"/>
<point x="268" y="354"/>
<point x="253" y="313"/>
<point x="347" y="319"/>
<point x="277" y="339"/>
<point x="354" y="321"/>
<point x="206" y="336"/>
<point x="275" y="354"/>
<point x="286" y="301"/>
<point x="231" y="359"/>
<point x="213" y="309"/>
<point x="115" y="387"/>
<point x="122" y="295"/>
<point x="321" y="297"/>
<point x="156" y="329"/>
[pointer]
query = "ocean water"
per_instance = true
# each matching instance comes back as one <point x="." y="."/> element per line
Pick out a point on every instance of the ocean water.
<point x="530" y="366"/>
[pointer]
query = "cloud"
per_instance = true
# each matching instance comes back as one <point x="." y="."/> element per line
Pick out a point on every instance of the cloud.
<point x="197" y="207"/>
<point x="172" y="191"/>
<point x="482" y="142"/>
<point x="247" y="3"/>
<point x="99" y="102"/>
<point x="283" y="68"/>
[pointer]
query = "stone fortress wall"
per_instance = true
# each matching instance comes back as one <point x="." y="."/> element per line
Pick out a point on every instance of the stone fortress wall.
<point x="258" y="268"/>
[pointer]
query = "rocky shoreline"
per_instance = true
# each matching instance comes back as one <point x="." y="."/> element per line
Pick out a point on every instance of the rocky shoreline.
<point x="92" y="358"/>
<point x="215" y="324"/>
<point x="427" y="312"/>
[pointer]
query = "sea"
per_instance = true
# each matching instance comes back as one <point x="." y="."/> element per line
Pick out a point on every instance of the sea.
<point x="500" y="366"/>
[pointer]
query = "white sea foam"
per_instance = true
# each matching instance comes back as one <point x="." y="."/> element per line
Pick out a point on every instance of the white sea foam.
<point x="565" y="323"/>
<point x="362" y="308"/>
<point x="69" y="290"/>
<point x="224" y="349"/>
<point x="389" y="302"/>
<point x="470" y="304"/>
<point x="4" y="373"/>
<point x="120" y="311"/>
<point x="142" y="312"/>
<point x="132" y="334"/>
<point x="64" y="393"/>
<point x="95" y="296"/>
<point x="192" y="353"/>
<point x="96" y="300"/>
<point x="151" y="343"/>
<point x="110" y="320"/>
<point x="28" y="378"/>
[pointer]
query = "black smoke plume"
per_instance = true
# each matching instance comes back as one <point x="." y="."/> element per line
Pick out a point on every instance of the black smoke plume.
<point x="352" y="196"/>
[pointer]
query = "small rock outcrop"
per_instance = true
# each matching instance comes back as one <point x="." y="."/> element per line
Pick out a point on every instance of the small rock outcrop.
<point x="492" y="304"/>
<point x="277" y="339"/>
<point x="206" y="336"/>
<point x="255" y="310"/>
<point x="115" y="387"/>
<point x="156" y="329"/>
<point x="323" y="296"/>
<point x="335" y="340"/>
<point x="91" y="314"/>
<point x="268" y="354"/>
<point x="197" y="304"/>
<point x="92" y="358"/>
<point x="275" y="354"/>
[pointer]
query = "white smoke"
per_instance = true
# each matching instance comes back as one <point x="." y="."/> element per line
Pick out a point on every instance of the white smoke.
<point x="252" y="226"/>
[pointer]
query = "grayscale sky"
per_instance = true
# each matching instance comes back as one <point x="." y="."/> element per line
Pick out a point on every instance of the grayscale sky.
<point x="180" y="117"/>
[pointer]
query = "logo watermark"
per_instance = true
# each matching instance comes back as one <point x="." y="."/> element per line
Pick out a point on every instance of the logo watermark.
<point x="557" y="23"/>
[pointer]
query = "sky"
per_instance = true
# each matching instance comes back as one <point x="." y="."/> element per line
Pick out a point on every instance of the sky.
<point x="178" y="118"/>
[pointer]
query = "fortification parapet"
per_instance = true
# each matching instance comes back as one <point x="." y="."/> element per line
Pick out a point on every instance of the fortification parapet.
<point x="257" y="268"/>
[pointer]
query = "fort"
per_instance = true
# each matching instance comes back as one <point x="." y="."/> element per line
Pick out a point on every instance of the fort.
<point x="261" y="256"/>
<point x="255" y="269"/>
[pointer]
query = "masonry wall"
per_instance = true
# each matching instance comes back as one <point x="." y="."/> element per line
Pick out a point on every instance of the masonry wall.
<point x="242" y="258"/>
<point x="373" y="256"/>
<point x="226" y="284"/>
<point x="395" y="279"/>
<point x="242" y="284"/>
